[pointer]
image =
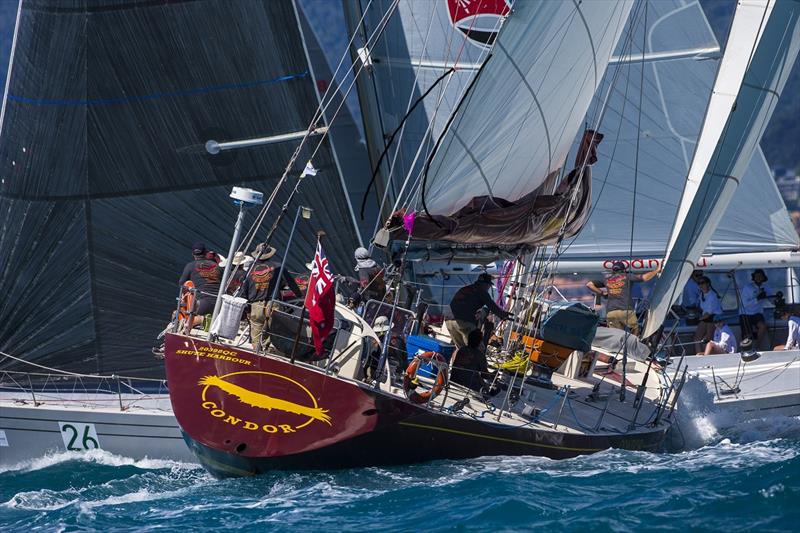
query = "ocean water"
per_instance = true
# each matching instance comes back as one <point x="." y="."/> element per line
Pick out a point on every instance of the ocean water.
<point x="746" y="478"/>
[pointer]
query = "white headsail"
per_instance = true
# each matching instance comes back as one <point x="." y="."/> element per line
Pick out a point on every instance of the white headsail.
<point x="518" y="121"/>
<point x="490" y="186"/>
<point x="681" y="60"/>
<point x="762" y="47"/>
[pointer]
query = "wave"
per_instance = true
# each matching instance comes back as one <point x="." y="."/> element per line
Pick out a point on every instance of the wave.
<point x="700" y="422"/>
<point x="485" y="493"/>
<point x="97" y="456"/>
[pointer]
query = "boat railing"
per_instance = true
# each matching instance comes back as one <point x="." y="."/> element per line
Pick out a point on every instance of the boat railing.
<point x="291" y="314"/>
<point x="51" y="386"/>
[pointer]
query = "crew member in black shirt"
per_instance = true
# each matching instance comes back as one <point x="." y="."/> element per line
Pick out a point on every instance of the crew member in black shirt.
<point x="469" y="363"/>
<point x="259" y="286"/>
<point x="465" y="305"/>
<point x="206" y="276"/>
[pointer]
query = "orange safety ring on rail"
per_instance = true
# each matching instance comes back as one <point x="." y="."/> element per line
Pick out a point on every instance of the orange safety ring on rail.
<point x="411" y="372"/>
<point x="187" y="301"/>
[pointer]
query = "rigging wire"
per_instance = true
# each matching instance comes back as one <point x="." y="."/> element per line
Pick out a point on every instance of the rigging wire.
<point x="251" y="233"/>
<point x="319" y="114"/>
<point x="399" y="128"/>
<point x="721" y="142"/>
<point x="541" y="268"/>
<point x="555" y="250"/>
<point x="414" y="87"/>
<point x="430" y="150"/>
<point x="638" y="140"/>
<point x="428" y="138"/>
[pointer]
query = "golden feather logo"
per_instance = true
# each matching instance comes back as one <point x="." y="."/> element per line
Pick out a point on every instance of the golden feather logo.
<point x="264" y="401"/>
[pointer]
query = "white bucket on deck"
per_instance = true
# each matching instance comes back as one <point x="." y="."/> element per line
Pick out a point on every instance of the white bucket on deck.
<point x="230" y="314"/>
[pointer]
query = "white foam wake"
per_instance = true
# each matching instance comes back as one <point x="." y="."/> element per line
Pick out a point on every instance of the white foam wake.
<point x="101" y="457"/>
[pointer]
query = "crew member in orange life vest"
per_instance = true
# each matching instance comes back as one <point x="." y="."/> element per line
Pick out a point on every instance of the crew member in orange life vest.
<point x="259" y="286"/>
<point x="206" y="276"/>
<point x="619" y="308"/>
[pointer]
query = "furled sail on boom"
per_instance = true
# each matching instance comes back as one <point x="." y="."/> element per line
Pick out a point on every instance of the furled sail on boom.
<point x="510" y="136"/>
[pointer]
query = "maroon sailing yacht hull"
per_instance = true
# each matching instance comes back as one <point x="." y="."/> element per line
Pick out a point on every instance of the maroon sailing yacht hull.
<point x="244" y="414"/>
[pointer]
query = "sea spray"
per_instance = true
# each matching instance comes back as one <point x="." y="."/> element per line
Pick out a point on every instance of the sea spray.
<point x="748" y="477"/>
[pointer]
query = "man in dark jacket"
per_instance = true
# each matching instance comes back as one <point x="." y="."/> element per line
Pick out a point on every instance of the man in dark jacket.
<point x="469" y="363"/>
<point x="259" y="285"/>
<point x="466" y="304"/>
<point x="206" y="276"/>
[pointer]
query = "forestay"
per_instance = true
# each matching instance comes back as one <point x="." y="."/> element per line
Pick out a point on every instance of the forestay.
<point x="762" y="48"/>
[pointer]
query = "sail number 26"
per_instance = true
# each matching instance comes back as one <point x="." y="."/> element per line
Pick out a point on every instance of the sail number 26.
<point x="78" y="437"/>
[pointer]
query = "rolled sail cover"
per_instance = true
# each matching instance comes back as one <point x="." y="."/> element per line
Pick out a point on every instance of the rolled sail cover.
<point x="511" y="134"/>
<point x="533" y="220"/>
<point x="105" y="179"/>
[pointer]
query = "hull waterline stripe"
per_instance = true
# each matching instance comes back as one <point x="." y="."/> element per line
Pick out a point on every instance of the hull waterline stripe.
<point x="99" y="433"/>
<point x="501" y="439"/>
<point x="130" y="424"/>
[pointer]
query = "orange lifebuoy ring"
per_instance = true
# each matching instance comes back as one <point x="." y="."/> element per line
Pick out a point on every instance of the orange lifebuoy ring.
<point x="187" y="301"/>
<point x="411" y="372"/>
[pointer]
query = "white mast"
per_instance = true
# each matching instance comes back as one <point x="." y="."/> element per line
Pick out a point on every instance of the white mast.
<point x="762" y="47"/>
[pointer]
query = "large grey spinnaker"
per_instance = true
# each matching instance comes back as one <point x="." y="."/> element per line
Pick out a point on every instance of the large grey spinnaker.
<point x="106" y="180"/>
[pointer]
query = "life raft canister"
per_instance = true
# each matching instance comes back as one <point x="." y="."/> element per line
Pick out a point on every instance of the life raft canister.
<point x="438" y="361"/>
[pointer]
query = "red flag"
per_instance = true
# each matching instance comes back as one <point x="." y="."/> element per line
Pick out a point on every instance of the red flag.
<point x="320" y="299"/>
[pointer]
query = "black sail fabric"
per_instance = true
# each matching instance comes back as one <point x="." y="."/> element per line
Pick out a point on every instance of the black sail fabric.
<point x="105" y="179"/>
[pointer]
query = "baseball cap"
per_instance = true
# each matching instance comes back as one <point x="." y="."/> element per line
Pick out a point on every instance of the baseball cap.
<point x="198" y="248"/>
<point x="486" y="278"/>
<point x="618" y="266"/>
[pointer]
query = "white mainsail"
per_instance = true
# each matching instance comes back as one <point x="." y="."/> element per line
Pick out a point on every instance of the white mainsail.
<point x="762" y="48"/>
<point x="519" y="119"/>
<point x="682" y="57"/>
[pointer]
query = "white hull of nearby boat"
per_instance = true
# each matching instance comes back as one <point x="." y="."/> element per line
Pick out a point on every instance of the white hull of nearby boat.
<point x="768" y="386"/>
<point x="145" y="429"/>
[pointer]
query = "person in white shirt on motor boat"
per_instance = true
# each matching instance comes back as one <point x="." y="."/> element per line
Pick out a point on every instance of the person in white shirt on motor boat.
<point x="723" y="342"/>
<point x="751" y="307"/>
<point x="710" y="305"/>
<point x="792" y="317"/>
